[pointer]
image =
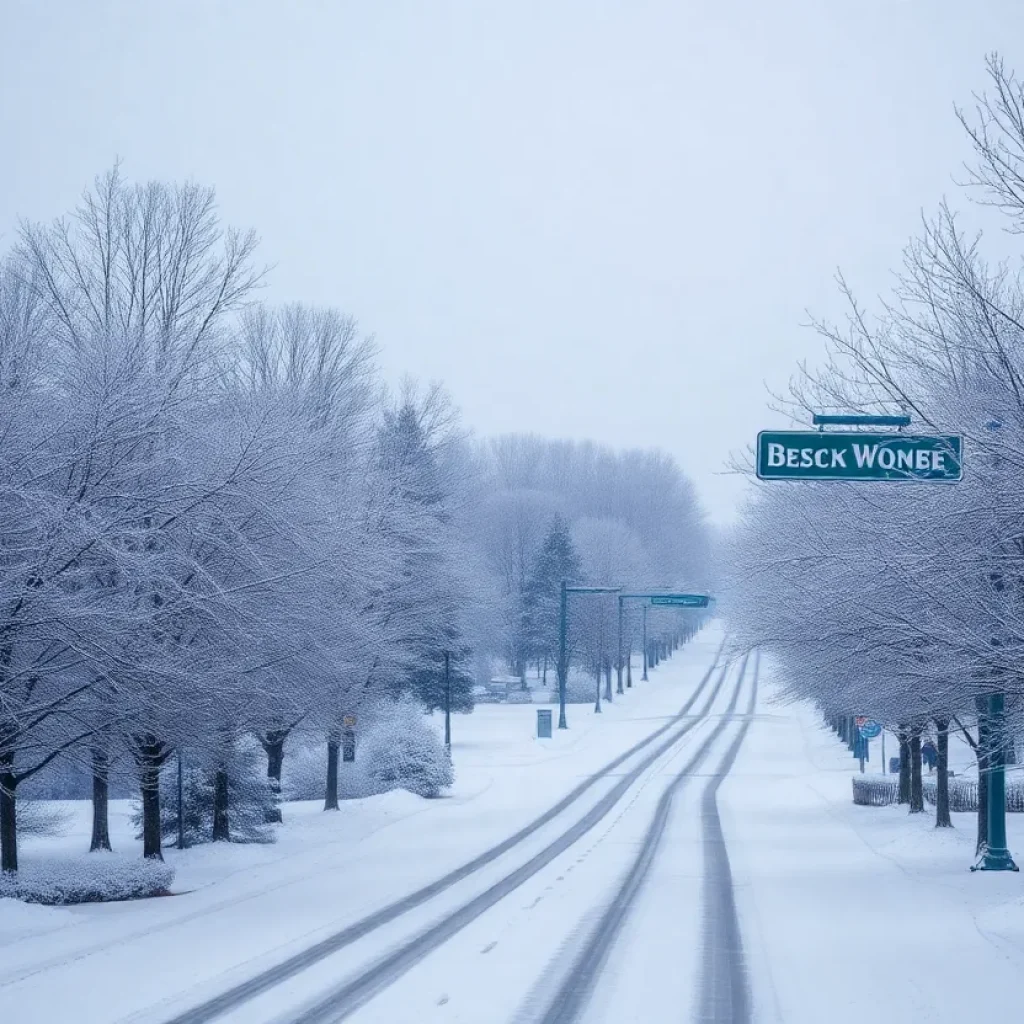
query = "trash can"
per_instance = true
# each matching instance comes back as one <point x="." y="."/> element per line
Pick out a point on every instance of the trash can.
<point x="543" y="723"/>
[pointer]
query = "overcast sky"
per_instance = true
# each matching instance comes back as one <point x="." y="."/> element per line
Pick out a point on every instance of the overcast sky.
<point x="589" y="219"/>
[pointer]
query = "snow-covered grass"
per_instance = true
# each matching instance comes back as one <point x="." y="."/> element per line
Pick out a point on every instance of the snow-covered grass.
<point x="89" y="878"/>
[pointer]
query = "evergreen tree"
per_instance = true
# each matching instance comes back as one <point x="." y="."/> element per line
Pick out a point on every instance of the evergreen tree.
<point x="429" y="598"/>
<point x="556" y="561"/>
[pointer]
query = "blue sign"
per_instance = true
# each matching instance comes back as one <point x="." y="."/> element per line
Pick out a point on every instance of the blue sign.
<point x="869" y="730"/>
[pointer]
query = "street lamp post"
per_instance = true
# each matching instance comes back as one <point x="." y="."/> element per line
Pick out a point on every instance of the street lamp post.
<point x="563" y="659"/>
<point x="644" y="676"/>
<point x="996" y="856"/>
<point x="447" y="702"/>
<point x="618" y="670"/>
<point x="562" y="666"/>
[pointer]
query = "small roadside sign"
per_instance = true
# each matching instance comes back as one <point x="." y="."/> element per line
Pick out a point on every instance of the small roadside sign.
<point x="869" y="730"/>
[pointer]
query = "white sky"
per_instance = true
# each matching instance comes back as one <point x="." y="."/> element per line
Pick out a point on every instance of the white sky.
<point x="588" y="218"/>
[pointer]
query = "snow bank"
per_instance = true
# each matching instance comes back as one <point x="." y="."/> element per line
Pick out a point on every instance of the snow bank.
<point x="91" y="878"/>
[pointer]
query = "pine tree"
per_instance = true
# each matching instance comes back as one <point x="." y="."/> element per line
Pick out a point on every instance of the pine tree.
<point x="556" y="561"/>
<point x="428" y="597"/>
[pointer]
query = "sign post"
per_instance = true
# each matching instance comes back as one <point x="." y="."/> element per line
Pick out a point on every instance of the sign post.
<point x="563" y="657"/>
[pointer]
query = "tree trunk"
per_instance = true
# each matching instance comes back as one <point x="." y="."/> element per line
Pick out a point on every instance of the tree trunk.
<point x="942" y="818"/>
<point x="904" y="788"/>
<point x="545" y="670"/>
<point x="983" y="762"/>
<point x="273" y="744"/>
<point x="629" y="665"/>
<point x="150" y="755"/>
<point x="608" y="680"/>
<point x="916" y="789"/>
<point x="221" y="817"/>
<point x="100" y="801"/>
<point x="8" y="823"/>
<point x="331" y="798"/>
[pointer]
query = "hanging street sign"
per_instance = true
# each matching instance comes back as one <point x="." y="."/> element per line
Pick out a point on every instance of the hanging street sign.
<point x="856" y="455"/>
<point x="870" y="730"/>
<point x="681" y="600"/>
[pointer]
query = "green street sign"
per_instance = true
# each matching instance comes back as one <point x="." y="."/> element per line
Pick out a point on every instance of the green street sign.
<point x="855" y="455"/>
<point x="682" y="600"/>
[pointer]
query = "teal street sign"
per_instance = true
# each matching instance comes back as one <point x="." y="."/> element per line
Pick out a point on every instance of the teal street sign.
<point x="681" y="600"/>
<point x="856" y="455"/>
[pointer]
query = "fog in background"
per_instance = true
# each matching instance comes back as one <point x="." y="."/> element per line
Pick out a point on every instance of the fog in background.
<point x="589" y="219"/>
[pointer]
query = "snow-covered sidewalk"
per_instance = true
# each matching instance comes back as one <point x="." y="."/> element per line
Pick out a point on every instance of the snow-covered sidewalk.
<point x="847" y="911"/>
<point x="242" y="906"/>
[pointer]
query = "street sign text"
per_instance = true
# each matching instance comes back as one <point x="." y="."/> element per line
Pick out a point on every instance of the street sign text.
<point x="853" y="455"/>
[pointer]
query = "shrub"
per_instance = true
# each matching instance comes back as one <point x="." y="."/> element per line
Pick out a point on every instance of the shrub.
<point x="401" y="751"/>
<point x="250" y="798"/>
<point x="90" y="878"/>
<point x="304" y="776"/>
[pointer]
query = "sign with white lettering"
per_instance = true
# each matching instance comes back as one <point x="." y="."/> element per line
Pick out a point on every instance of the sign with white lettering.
<point x="815" y="455"/>
<point x="682" y="600"/>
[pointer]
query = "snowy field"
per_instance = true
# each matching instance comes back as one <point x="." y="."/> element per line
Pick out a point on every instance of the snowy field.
<point x="835" y="903"/>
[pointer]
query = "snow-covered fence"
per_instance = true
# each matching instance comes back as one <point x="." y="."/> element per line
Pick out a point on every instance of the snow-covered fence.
<point x="963" y="794"/>
<point x="875" y="790"/>
<point x="880" y="790"/>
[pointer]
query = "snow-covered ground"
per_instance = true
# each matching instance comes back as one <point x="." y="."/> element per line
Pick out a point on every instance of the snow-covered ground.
<point x="849" y="912"/>
<point x="838" y="905"/>
<point x="243" y="908"/>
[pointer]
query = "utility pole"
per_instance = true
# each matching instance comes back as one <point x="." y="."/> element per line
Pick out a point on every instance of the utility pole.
<point x="447" y="702"/>
<point x="181" y="801"/>
<point x="644" y="676"/>
<point x="618" y="668"/>
<point x="996" y="856"/>
<point x="563" y="628"/>
<point x="562" y="666"/>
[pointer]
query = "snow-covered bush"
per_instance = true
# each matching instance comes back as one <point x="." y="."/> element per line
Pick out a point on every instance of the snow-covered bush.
<point x="304" y="776"/>
<point x="401" y="751"/>
<point x="42" y="819"/>
<point x="90" y="878"/>
<point x="250" y="799"/>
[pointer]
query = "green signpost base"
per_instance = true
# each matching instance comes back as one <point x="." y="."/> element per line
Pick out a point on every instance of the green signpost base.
<point x="996" y="860"/>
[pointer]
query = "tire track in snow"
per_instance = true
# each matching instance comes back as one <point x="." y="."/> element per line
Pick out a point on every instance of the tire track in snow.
<point x="347" y="998"/>
<point x="724" y="994"/>
<point x="247" y="990"/>
<point x="581" y="978"/>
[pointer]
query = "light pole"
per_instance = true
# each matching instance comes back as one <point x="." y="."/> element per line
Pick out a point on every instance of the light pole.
<point x="644" y="676"/>
<point x="181" y="801"/>
<point x="447" y="702"/>
<point x="563" y="629"/>
<point x="618" y="668"/>
<point x="996" y="856"/>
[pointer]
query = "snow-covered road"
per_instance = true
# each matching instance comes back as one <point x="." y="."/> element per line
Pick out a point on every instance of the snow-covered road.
<point x="691" y="855"/>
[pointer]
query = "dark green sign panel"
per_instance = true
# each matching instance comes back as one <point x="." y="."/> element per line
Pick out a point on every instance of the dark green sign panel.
<point x="682" y="600"/>
<point x="853" y="455"/>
